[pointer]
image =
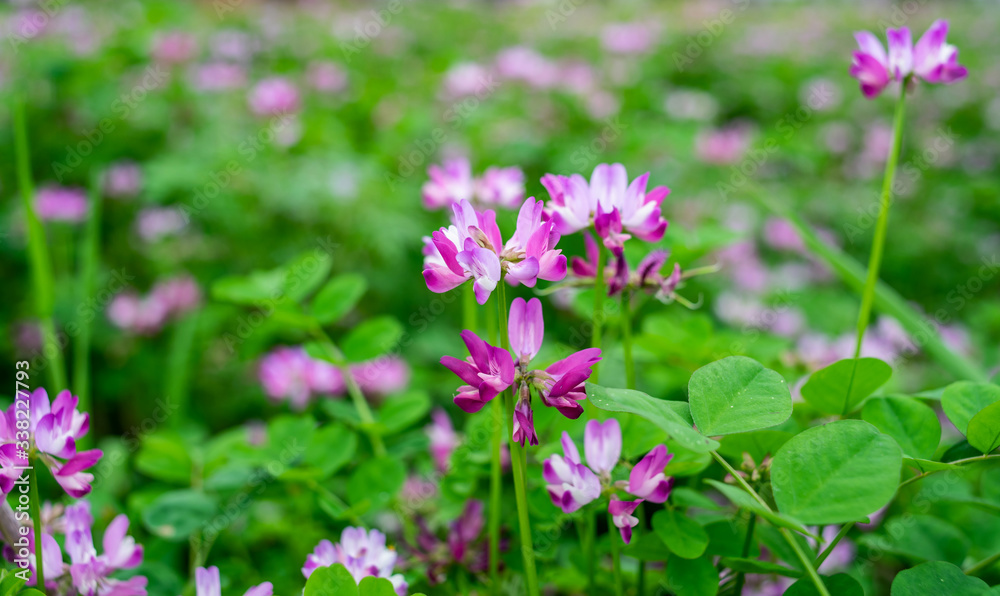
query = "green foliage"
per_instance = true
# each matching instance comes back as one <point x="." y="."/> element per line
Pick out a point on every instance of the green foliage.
<point x="692" y="577"/>
<point x="912" y="424"/>
<point x="681" y="534"/>
<point x="337" y="297"/>
<point x="840" y="387"/>
<point x="984" y="429"/>
<point x="176" y="515"/>
<point x="371" y="339"/>
<point x="963" y="400"/>
<point x="840" y="584"/>
<point x="672" y="417"/>
<point x="937" y="577"/>
<point x="736" y="395"/>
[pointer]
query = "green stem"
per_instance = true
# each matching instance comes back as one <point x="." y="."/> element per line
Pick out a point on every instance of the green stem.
<point x="960" y="462"/>
<point x="496" y="472"/>
<point x="179" y="366"/>
<point x="833" y="543"/>
<point x="788" y="536"/>
<point x="519" y="463"/>
<point x="984" y="564"/>
<point x="740" y="577"/>
<point x="641" y="587"/>
<point x="627" y="338"/>
<point x="36" y="518"/>
<point x="470" y="308"/>
<point x="43" y="296"/>
<point x="598" y="318"/>
<point x="89" y="256"/>
<point x="882" y="226"/>
<point x="616" y="564"/>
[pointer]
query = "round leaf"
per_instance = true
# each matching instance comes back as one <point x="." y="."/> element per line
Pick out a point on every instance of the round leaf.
<point x="177" y="514"/>
<point x="697" y="577"/>
<point x="837" y="473"/>
<point x="338" y="297"/>
<point x="827" y="388"/>
<point x="371" y="339"/>
<point x="376" y="586"/>
<point x="736" y="395"/>
<point x="682" y="535"/>
<point x="403" y="410"/>
<point x="963" y="400"/>
<point x="984" y="429"/>
<point x="937" y="577"/>
<point x="914" y="425"/>
<point x="326" y="581"/>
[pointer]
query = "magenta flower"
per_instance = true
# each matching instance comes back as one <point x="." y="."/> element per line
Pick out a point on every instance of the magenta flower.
<point x="463" y="545"/>
<point x="622" y="518"/>
<point x="453" y="183"/>
<point x="487" y="371"/>
<point x="472" y="248"/>
<point x="466" y="529"/>
<point x="208" y="583"/>
<point x="571" y="485"/>
<point x="647" y="276"/>
<point x="609" y="203"/>
<point x="174" y="47"/>
<point x="443" y="439"/>
<point x="274" y="96"/>
<point x="363" y="553"/>
<point x="168" y="299"/>
<point x="602" y="444"/>
<point x="122" y="180"/>
<point x="59" y="203"/>
<point x="647" y="479"/>
<point x="54" y="430"/>
<point x="382" y="376"/>
<point x="503" y="187"/>
<point x="932" y="59"/>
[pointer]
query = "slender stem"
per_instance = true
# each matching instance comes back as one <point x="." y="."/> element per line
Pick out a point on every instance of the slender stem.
<point x="616" y="564"/>
<point x="89" y="255"/>
<point x="496" y="472"/>
<point x="984" y="564"/>
<point x="740" y="577"/>
<point x="960" y="462"/>
<point x="878" y="244"/>
<point x="641" y="588"/>
<point x="627" y="338"/>
<point x="519" y="463"/>
<point x="599" y="292"/>
<point x="43" y="295"/>
<point x="788" y="536"/>
<point x="469" y="308"/>
<point x="36" y="518"/>
<point x="833" y="543"/>
<point x="178" y="372"/>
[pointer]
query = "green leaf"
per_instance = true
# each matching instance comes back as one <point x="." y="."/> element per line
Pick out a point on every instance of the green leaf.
<point x="376" y="586"/>
<point x="327" y="451"/>
<point x="696" y="577"/>
<point x="254" y="289"/>
<point x="840" y="584"/>
<point x="926" y="465"/>
<point x="759" y="444"/>
<point x="31" y="592"/>
<point x="331" y="581"/>
<point x="324" y="351"/>
<point x="403" y="410"/>
<point x="826" y="389"/>
<point x="673" y="417"/>
<point x="10" y="583"/>
<point x="937" y="577"/>
<point x="914" y="425"/>
<point x="305" y="273"/>
<point x="164" y="456"/>
<point x="338" y="297"/>
<point x="923" y="538"/>
<point x="178" y="514"/>
<point x="378" y="479"/>
<point x="758" y="566"/>
<point x="726" y="538"/>
<point x="984" y="429"/>
<point x="964" y="399"/>
<point x="681" y="534"/>
<point x="372" y="338"/>
<point x="737" y="394"/>
<point x="647" y="547"/>
<point x="741" y="498"/>
<point x="836" y="473"/>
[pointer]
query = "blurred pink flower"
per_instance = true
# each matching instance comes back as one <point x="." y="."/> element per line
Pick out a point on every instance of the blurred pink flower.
<point x="122" y="180"/>
<point x="382" y="376"/>
<point x="520" y="63"/>
<point x="467" y="79"/>
<point x="723" y="146"/>
<point x="327" y="77"/>
<point x="174" y="47"/>
<point x="60" y="203"/>
<point x="780" y="234"/>
<point x="629" y="38"/>
<point x="155" y="223"/>
<point x="443" y="438"/>
<point x="274" y="96"/>
<point x="218" y="76"/>
<point x="168" y="299"/>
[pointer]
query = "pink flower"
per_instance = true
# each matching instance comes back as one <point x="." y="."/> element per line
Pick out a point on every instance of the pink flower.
<point x="722" y="146"/>
<point x="208" y="583"/>
<point x="363" y="553"/>
<point x="327" y="77"/>
<point x="382" y="376"/>
<point x="174" y="47"/>
<point x="442" y="437"/>
<point x="622" y="518"/>
<point x="571" y="485"/>
<point x="503" y="187"/>
<point x="647" y="479"/>
<point x="219" y="76"/>
<point x="628" y="38"/>
<point x="487" y="371"/>
<point x="122" y="180"/>
<point x="289" y="373"/>
<point x="576" y="204"/>
<point x="275" y="96"/>
<point x="602" y="444"/>
<point x="155" y="223"/>
<point x="525" y="64"/>
<point x="168" y="299"/>
<point x="932" y="60"/>
<point x="453" y="183"/>
<point x="58" y="203"/>
<point x="466" y="79"/>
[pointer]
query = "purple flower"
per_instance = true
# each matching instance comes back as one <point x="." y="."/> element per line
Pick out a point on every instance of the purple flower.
<point x="174" y="47"/>
<point x="520" y="63"/>
<point x="608" y="202"/>
<point x="463" y="545"/>
<point x="122" y="180"/>
<point x="487" y="371"/>
<point x="564" y="387"/>
<point x="602" y="444"/>
<point x="442" y="437"/>
<point x="327" y="77"/>
<point x="363" y="553"/>
<point x="629" y="38"/>
<point x="382" y="376"/>
<point x="503" y="187"/>
<point x="932" y="59"/>
<point x="466" y="529"/>
<point x="647" y="479"/>
<point x="524" y="419"/>
<point x="218" y="76"/>
<point x="208" y="583"/>
<point x="622" y="518"/>
<point x="571" y="485"/>
<point x="453" y="183"/>
<point x="167" y="299"/>
<point x="156" y="223"/>
<point x="723" y="146"/>
<point x="274" y="96"/>
<point x="59" y="203"/>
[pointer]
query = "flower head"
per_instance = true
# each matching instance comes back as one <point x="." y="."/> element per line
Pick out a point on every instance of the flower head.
<point x="364" y="554"/>
<point x="453" y="182"/>
<point x="571" y="485"/>
<point x="487" y="371"/>
<point x="59" y="203"/>
<point x="274" y="96"/>
<point x="442" y="437"/>
<point x="208" y="583"/>
<point x="622" y="518"/>
<point x="647" y="479"/>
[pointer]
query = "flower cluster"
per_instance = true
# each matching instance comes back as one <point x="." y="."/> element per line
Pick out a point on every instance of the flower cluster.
<point x="288" y="373"/>
<point x="608" y="203"/>
<point x="572" y="484"/>
<point x="49" y="432"/>
<point x="932" y="59"/>
<point x="462" y="546"/>
<point x="646" y="277"/>
<point x="453" y="183"/>
<point x="472" y="248"/>
<point x="490" y="370"/>
<point x="167" y="300"/>
<point x="362" y="552"/>
<point x="208" y="583"/>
